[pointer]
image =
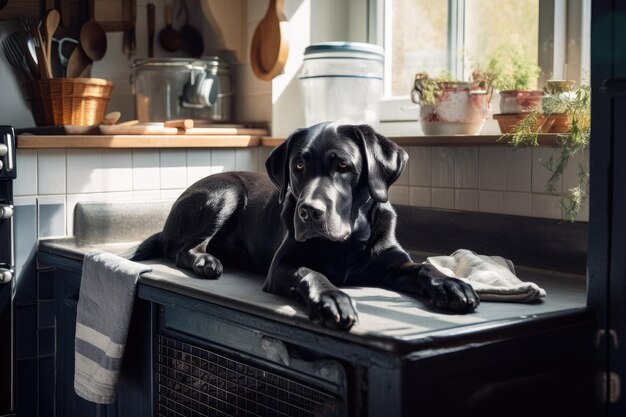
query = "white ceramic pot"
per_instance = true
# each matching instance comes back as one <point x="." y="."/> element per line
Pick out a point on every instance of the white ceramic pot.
<point x="519" y="101"/>
<point x="460" y="108"/>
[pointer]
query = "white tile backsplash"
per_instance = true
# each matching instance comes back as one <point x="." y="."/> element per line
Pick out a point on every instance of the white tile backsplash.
<point x="51" y="166"/>
<point x="442" y="198"/>
<point x="173" y="168"/>
<point x="420" y="162"/>
<point x="546" y="206"/>
<point x="223" y="160"/>
<point x="439" y="177"/>
<point x="26" y="165"/>
<point x="246" y="159"/>
<point x="491" y="168"/>
<point x="198" y="164"/>
<point x="117" y="171"/>
<point x="466" y="167"/>
<point x="399" y="194"/>
<point x="84" y="171"/>
<point x="442" y="166"/>
<point x="146" y="169"/>
<point x="466" y="200"/>
<point x="518" y="204"/>
<point x="491" y="201"/>
<point x="518" y="169"/>
<point x="419" y="196"/>
<point x="540" y="174"/>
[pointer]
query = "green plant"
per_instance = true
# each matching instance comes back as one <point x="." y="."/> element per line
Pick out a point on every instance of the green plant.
<point x="575" y="140"/>
<point x="429" y="88"/>
<point x="512" y="68"/>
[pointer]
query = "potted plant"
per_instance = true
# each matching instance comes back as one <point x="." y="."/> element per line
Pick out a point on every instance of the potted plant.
<point x="574" y="107"/>
<point x="513" y="71"/>
<point x="449" y="107"/>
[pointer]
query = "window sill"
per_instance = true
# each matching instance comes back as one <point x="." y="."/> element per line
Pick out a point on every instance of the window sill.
<point x="547" y="139"/>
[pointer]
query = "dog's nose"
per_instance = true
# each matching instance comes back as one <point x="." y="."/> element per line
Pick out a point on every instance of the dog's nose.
<point x="311" y="210"/>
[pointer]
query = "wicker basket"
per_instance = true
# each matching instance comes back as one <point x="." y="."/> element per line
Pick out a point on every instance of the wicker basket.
<point x="68" y="101"/>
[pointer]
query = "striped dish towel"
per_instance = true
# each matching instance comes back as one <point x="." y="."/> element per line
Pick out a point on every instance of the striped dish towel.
<point x="105" y="307"/>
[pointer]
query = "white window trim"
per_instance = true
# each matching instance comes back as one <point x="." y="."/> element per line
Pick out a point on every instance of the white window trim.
<point x="402" y="109"/>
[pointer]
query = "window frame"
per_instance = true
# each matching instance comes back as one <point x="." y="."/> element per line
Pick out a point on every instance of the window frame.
<point x="562" y="24"/>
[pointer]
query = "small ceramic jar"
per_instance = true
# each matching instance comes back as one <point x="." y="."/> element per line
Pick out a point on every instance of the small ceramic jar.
<point x="519" y="101"/>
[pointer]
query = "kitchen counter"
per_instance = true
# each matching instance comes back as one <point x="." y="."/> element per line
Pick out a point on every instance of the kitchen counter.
<point x="389" y="321"/>
<point x="478" y="361"/>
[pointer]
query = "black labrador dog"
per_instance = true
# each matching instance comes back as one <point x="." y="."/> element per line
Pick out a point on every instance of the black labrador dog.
<point x="323" y="221"/>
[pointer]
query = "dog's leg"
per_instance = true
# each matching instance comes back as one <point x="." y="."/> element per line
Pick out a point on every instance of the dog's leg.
<point x="194" y="256"/>
<point x="425" y="280"/>
<point x="325" y="303"/>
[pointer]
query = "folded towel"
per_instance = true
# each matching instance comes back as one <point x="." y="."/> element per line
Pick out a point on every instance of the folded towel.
<point x="492" y="277"/>
<point x="105" y="306"/>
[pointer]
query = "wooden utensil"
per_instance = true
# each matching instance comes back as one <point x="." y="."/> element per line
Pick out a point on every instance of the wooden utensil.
<point x="111" y="118"/>
<point x="182" y="123"/>
<point x="50" y="24"/>
<point x="270" y="47"/>
<point x="93" y="40"/>
<point x="169" y="38"/>
<point x="64" y="8"/>
<point x="150" y="11"/>
<point x="77" y="63"/>
<point x="192" y="41"/>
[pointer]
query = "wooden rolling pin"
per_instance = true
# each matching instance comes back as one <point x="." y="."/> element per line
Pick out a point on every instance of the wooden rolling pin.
<point x="181" y="124"/>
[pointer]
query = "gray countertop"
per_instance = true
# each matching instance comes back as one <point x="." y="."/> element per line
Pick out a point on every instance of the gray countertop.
<point x="385" y="317"/>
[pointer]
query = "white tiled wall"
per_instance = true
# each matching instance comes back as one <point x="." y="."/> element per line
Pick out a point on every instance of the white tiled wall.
<point x="491" y="179"/>
<point x="56" y="180"/>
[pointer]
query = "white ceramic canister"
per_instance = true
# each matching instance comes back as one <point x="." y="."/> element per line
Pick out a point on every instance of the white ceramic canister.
<point x="343" y="82"/>
<point x="459" y="108"/>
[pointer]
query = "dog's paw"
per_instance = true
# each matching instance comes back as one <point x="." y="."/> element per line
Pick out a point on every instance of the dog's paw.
<point x="453" y="294"/>
<point x="334" y="309"/>
<point x="207" y="266"/>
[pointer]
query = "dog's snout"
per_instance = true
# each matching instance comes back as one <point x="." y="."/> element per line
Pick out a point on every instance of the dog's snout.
<point x="311" y="210"/>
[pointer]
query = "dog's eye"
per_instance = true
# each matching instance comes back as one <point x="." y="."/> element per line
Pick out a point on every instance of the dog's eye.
<point x="343" y="166"/>
<point x="300" y="166"/>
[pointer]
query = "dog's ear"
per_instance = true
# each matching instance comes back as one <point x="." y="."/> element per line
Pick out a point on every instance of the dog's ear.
<point x="383" y="161"/>
<point x="277" y="166"/>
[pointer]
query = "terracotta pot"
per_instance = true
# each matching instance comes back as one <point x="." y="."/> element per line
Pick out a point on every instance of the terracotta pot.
<point x="519" y="101"/>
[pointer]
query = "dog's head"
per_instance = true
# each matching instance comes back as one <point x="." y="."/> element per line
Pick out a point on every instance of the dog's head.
<point x="332" y="171"/>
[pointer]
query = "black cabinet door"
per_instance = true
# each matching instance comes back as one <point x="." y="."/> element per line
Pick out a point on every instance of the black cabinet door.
<point x="607" y="244"/>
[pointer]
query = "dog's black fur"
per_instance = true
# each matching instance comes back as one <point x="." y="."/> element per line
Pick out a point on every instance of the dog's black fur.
<point x="324" y="222"/>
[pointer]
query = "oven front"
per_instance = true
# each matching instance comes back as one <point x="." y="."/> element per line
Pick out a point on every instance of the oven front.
<point x="7" y="267"/>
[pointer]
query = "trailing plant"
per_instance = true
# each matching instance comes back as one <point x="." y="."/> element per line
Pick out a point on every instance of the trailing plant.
<point x="575" y="140"/>
<point x="512" y="68"/>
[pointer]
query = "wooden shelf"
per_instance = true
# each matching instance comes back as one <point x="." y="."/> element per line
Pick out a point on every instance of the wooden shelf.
<point x="547" y="139"/>
<point x="237" y="141"/>
<point x="136" y="141"/>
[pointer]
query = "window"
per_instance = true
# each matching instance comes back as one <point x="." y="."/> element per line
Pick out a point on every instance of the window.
<point x="456" y="36"/>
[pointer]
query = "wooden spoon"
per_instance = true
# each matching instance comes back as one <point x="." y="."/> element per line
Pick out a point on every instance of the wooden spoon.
<point x="270" y="47"/>
<point x="77" y="63"/>
<point x="169" y="38"/>
<point x="50" y="25"/>
<point x="111" y="118"/>
<point x="93" y="40"/>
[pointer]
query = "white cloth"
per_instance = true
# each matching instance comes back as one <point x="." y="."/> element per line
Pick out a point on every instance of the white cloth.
<point x="492" y="277"/>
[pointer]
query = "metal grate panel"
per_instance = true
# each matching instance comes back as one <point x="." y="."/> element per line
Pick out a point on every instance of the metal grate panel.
<point x="193" y="381"/>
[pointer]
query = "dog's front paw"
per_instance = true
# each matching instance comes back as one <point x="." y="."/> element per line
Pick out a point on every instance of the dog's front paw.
<point x="453" y="294"/>
<point x="207" y="266"/>
<point x="334" y="309"/>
